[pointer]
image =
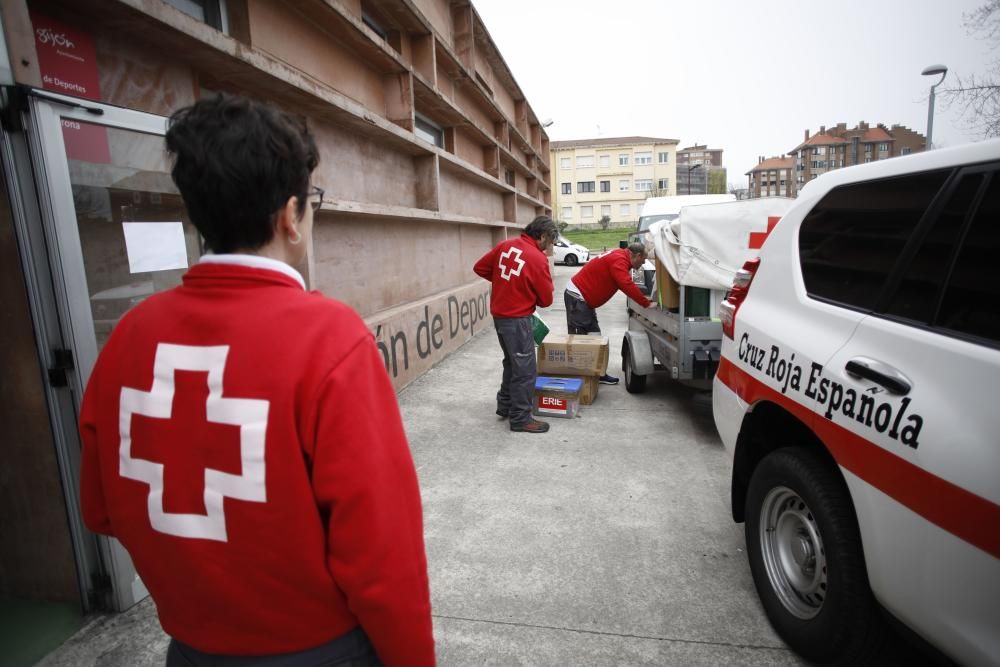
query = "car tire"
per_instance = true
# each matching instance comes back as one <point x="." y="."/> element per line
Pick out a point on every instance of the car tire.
<point x="570" y="260"/>
<point x="807" y="561"/>
<point x="634" y="383"/>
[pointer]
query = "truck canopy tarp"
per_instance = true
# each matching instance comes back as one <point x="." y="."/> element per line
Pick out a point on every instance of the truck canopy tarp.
<point x="708" y="243"/>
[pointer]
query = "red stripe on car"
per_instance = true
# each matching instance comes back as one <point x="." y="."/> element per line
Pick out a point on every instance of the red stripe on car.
<point x="962" y="513"/>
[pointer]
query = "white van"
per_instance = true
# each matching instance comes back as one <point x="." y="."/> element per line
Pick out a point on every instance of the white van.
<point x="656" y="209"/>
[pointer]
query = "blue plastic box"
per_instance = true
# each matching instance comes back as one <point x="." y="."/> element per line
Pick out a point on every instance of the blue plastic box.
<point x="557" y="397"/>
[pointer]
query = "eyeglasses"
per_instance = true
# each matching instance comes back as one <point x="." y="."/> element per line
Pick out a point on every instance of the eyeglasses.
<point x="318" y="194"/>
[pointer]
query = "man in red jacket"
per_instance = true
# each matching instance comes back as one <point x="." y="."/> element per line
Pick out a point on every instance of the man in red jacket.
<point x="597" y="282"/>
<point x="519" y="272"/>
<point x="241" y="437"/>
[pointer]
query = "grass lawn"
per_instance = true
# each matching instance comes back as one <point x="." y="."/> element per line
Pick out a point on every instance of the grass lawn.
<point x="597" y="240"/>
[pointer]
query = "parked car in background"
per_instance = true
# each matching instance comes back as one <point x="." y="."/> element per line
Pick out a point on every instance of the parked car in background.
<point x="857" y="394"/>
<point x="569" y="253"/>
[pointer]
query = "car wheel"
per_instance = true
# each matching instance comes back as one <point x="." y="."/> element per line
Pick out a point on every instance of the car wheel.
<point x="570" y="260"/>
<point x="634" y="383"/>
<point x="806" y="559"/>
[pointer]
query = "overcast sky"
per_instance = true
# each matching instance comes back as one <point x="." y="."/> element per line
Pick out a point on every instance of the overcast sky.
<point x="747" y="77"/>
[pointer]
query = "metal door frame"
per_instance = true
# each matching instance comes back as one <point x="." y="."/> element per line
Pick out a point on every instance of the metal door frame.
<point x="54" y="269"/>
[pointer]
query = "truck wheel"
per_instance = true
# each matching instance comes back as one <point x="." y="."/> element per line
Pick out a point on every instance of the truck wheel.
<point x="634" y="384"/>
<point x="806" y="559"/>
<point x="570" y="260"/>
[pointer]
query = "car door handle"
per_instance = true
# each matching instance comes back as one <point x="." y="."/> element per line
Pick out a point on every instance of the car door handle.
<point x="881" y="374"/>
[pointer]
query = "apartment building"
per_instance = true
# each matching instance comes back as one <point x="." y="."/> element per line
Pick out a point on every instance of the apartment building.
<point x="772" y="177"/>
<point x="839" y="147"/>
<point x="700" y="171"/>
<point x="612" y="176"/>
<point x="430" y="154"/>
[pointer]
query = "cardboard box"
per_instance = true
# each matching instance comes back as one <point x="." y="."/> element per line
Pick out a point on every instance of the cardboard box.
<point x="557" y="397"/>
<point x="562" y="354"/>
<point x="668" y="292"/>
<point x="588" y="392"/>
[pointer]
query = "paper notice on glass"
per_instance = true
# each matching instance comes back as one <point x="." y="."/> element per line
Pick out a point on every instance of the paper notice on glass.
<point x="155" y="246"/>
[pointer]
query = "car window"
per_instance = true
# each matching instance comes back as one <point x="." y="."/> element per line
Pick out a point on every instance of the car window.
<point x="970" y="304"/>
<point x="923" y="278"/>
<point x="850" y="241"/>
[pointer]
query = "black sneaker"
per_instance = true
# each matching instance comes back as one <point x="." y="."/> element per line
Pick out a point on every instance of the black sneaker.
<point x="503" y="413"/>
<point x="608" y="379"/>
<point x="530" y="426"/>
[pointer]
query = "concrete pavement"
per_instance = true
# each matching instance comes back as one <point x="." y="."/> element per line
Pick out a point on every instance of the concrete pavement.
<point x="606" y="541"/>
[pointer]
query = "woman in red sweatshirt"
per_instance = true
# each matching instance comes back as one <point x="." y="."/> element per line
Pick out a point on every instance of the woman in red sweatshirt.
<point x="241" y="437"/>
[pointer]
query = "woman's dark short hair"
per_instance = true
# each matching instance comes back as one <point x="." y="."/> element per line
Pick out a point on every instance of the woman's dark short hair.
<point x="541" y="226"/>
<point x="236" y="163"/>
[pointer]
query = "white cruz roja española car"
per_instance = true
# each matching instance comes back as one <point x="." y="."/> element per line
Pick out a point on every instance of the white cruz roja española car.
<point x="858" y="395"/>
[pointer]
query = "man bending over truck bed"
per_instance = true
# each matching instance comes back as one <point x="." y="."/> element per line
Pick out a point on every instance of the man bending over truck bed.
<point x="597" y="282"/>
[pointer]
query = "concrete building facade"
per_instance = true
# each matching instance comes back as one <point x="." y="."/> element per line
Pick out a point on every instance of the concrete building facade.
<point x="430" y="154"/>
<point x="838" y="147"/>
<point x="772" y="177"/>
<point x="610" y="176"/>
<point x="700" y="171"/>
<point x="831" y="148"/>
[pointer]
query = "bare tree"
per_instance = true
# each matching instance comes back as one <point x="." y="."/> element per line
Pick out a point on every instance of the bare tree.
<point x="978" y="97"/>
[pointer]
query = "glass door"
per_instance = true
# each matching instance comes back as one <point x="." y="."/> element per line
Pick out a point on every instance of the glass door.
<point x="117" y="232"/>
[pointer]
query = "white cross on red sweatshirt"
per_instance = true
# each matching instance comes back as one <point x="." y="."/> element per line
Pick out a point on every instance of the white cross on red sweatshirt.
<point x="242" y="439"/>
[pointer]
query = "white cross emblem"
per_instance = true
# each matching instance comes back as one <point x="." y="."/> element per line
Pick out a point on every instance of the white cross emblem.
<point x="247" y="413"/>
<point x="514" y="254"/>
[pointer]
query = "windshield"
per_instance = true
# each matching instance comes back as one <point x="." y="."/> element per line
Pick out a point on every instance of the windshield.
<point x="647" y="220"/>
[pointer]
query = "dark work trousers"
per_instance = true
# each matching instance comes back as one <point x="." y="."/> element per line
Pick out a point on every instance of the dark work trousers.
<point x="580" y="318"/>
<point x="518" y="385"/>
<point x="351" y="649"/>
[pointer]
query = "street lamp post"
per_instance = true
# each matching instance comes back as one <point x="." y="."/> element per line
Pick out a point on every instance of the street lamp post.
<point x="930" y="71"/>
<point x="690" y="169"/>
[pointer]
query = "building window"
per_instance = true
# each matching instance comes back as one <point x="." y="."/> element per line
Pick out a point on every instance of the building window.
<point x="883" y="148"/>
<point x="868" y="149"/>
<point x="584" y="186"/>
<point x="663" y="158"/>
<point x="623" y="159"/>
<point x="905" y="150"/>
<point x="428" y="131"/>
<point x="638" y="210"/>
<point x="645" y="157"/>
<point x="586" y="211"/>
<point x="564" y="163"/>
<point x="623" y="185"/>
<point x="606" y="210"/>
<point x="663" y="184"/>
<point x="625" y="209"/>
<point x="508" y="176"/>
<point x="567" y="188"/>
<point x="605" y="186"/>
<point x="209" y="12"/>
<point x="643" y="185"/>
<point x="604" y="161"/>
<point x="584" y="161"/>
<point x="567" y="213"/>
